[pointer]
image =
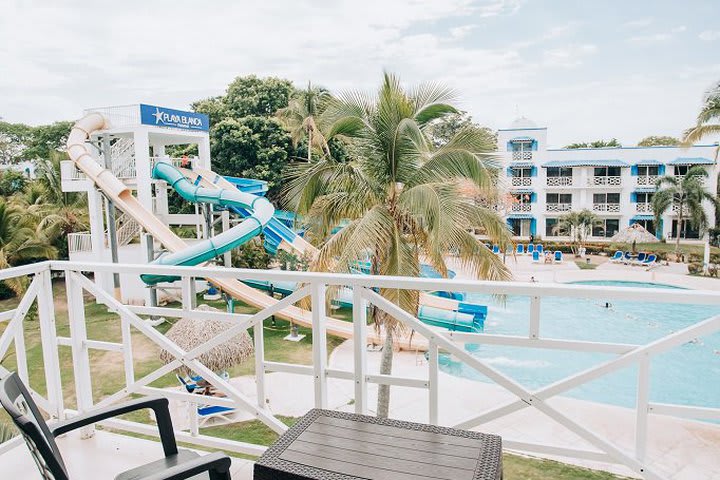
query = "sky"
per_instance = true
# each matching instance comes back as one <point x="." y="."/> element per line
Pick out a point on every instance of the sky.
<point x="586" y="70"/>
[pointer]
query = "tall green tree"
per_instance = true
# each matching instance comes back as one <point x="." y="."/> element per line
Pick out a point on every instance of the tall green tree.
<point x="708" y="120"/>
<point x="578" y="226"/>
<point x="402" y="196"/>
<point x="613" y="142"/>
<point x="659" y="140"/>
<point x="445" y="128"/>
<point x="686" y="196"/>
<point x="303" y="119"/>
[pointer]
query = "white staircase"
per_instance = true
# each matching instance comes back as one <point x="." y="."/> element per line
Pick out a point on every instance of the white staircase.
<point x="126" y="228"/>
<point x="122" y="154"/>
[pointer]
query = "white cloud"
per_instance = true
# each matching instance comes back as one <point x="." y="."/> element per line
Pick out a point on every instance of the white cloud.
<point x="568" y="56"/>
<point x="462" y="31"/>
<point x="709" y="35"/>
<point x="678" y="29"/>
<point x="638" y="23"/>
<point x="659" y="37"/>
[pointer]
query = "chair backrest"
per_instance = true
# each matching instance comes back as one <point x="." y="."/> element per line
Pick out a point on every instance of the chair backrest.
<point x="520" y="248"/>
<point x="558" y="255"/>
<point x="536" y="256"/>
<point x="539" y="248"/>
<point x="628" y="255"/>
<point x="651" y="258"/>
<point x="618" y="254"/>
<point x="16" y="400"/>
<point x="530" y="248"/>
<point x="641" y="256"/>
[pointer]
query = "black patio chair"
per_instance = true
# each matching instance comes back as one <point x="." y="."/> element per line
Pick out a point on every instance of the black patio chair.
<point x="40" y="438"/>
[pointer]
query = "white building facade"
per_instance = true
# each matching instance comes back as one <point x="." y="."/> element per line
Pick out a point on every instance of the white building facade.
<point x="617" y="184"/>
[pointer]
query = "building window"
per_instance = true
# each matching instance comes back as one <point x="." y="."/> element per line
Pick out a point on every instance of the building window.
<point x="607" y="228"/>
<point x="521" y="172"/>
<point x="687" y="232"/>
<point x="606" y="198"/>
<point x="644" y="197"/>
<point x="681" y="169"/>
<point x="648" y="170"/>
<point x="559" y="172"/>
<point x="607" y="171"/>
<point x="648" y="225"/>
<point x="558" y="198"/>
<point x="550" y="224"/>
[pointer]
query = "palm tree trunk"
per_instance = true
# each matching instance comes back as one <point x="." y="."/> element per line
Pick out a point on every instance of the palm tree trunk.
<point x="309" y="146"/>
<point x="679" y="230"/>
<point x="386" y="360"/>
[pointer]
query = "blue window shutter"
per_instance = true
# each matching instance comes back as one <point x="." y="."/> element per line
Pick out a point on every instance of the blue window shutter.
<point x="509" y="146"/>
<point x="659" y="229"/>
<point x="634" y="170"/>
<point x="632" y="220"/>
<point x="633" y="197"/>
<point x="533" y="197"/>
<point x="534" y="146"/>
<point x="533" y="226"/>
<point x="661" y="170"/>
<point x="533" y="171"/>
<point x="509" y="171"/>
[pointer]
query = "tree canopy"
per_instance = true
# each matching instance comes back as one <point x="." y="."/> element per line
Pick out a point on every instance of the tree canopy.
<point x="613" y="142"/>
<point x="658" y="140"/>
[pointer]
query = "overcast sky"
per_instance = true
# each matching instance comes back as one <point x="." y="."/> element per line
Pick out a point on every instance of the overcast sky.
<point x="585" y="70"/>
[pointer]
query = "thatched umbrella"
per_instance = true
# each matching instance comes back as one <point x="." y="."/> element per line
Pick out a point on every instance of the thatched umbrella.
<point x="635" y="233"/>
<point x="189" y="333"/>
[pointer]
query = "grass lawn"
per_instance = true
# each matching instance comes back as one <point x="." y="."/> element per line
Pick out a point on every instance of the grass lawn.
<point x="586" y="266"/>
<point x="108" y="375"/>
<point x="668" y="247"/>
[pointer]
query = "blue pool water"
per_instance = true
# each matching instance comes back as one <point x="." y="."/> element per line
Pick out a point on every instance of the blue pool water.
<point x="687" y="375"/>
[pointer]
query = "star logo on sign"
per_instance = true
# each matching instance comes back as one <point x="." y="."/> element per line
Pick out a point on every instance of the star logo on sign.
<point x="158" y="115"/>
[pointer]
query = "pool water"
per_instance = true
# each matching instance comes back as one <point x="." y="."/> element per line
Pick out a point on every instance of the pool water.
<point x="686" y="375"/>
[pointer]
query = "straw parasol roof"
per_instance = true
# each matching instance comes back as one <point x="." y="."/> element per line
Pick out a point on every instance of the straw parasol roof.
<point x="188" y="333"/>
<point x="634" y="233"/>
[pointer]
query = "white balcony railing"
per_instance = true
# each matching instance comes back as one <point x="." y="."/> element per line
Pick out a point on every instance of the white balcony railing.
<point x="604" y="181"/>
<point x="58" y="401"/>
<point x="676" y="209"/>
<point x="646" y="180"/>
<point x="522" y="156"/>
<point x="558" y="207"/>
<point x="521" y="181"/>
<point x="699" y="178"/>
<point x="559" y="181"/>
<point x="79" y="242"/>
<point x="521" y="207"/>
<point x="69" y="172"/>
<point x="606" y="207"/>
<point x="643" y="208"/>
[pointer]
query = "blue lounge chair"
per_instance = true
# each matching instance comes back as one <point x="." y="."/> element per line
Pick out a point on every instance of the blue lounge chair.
<point x="640" y="258"/>
<point x="496" y="249"/>
<point x="539" y="248"/>
<point x="650" y="260"/>
<point x="530" y="249"/>
<point x="618" y="257"/>
<point x="627" y="257"/>
<point x="558" y="256"/>
<point x="536" y="257"/>
<point x="520" y="249"/>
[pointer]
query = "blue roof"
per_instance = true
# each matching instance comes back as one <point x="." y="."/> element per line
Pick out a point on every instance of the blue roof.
<point x="643" y="217"/>
<point x="521" y="190"/>
<point x="521" y="164"/>
<point x="520" y="216"/>
<point x="648" y="162"/>
<point x="522" y="139"/>
<point x="691" y="161"/>
<point x="585" y="163"/>
<point x="645" y="189"/>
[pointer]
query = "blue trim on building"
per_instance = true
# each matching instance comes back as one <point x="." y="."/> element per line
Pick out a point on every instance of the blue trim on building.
<point x="691" y="161"/>
<point x="628" y="148"/>
<point x="520" y="216"/>
<point x="648" y="163"/>
<point x="585" y="163"/>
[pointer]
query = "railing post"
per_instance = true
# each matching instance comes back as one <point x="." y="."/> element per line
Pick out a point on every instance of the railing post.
<point x="259" y="340"/>
<point x="319" y="344"/>
<point x="641" y="408"/>
<point x="81" y="359"/>
<point x="433" y="387"/>
<point x="188" y="293"/>
<point x="360" y="349"/>
<point x="534" y="318"/>
<point x="48" y="337"/>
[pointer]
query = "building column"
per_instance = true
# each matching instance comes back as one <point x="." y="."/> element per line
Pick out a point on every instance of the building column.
<point x="204" y="152"/>
<point x="142" y="166"/>
<point x="161" y="196"/>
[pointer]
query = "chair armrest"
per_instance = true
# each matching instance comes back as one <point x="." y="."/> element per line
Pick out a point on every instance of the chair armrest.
<point x="216" y="464"/>
<point x="158" y="405"/>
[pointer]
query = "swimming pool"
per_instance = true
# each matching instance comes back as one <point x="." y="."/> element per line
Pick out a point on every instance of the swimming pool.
<point x="686" y="375"/>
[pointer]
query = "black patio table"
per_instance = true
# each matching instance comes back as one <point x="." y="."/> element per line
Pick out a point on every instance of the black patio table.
<point x="330" y="445"/>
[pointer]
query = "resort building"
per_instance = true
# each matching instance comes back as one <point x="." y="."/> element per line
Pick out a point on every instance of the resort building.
<point x="617" y="184"/>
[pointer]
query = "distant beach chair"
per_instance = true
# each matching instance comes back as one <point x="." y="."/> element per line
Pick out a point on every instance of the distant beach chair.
<point x="558" y="256"/>
<point x="536" y="257"/>
<point x="539" y="248"/>
<point x="496" y="249"/>
<point x="640" y="258"/>
<point x="627" y="257"/>
<point x="208" y="412"/>
<point x="530" y="249"/>
<point x="650" y="260"/>
<point x="520" y="249"/>
<point x="618" y="257"/>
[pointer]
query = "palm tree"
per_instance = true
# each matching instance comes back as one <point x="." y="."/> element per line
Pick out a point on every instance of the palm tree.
<point x="302" y="118"/>
<point x="21" y="241"/>
<point x="404" y="200"/>
<point x="708" y="120"/>
<point x="685" y="196"/>
<point x="578" y="226"/>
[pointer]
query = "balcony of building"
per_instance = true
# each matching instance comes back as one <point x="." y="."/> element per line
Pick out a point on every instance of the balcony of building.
<point x="605" y="181"/>
<point x="644" y="208"/>
<point x="558" y="207"/>
<point x="565" y="181"/>
<point x="521" y="207"/>
<point x="73" y="366"/>
<point x="646" y="180"/>
<point x="522" y="156"/>
<point x="606" y="207"/>
<point x="521" y="181"/>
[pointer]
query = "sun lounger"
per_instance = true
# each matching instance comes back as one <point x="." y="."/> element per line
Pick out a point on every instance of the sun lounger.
<point x="618" y="257"/>
<point x="520" y="249"/>
<point x="558" y="256"/>
<point x="536" y="257"/>
<point x="496" y="249"/>
<point x="640" y="258"/>
<point x="530" y="249"/>
<point x="627" y="257"/>
<point x="539" y="248"/>
<point x="650" y="260"/>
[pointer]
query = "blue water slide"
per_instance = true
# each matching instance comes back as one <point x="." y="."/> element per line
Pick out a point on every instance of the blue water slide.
<point x="259" y="212"/>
